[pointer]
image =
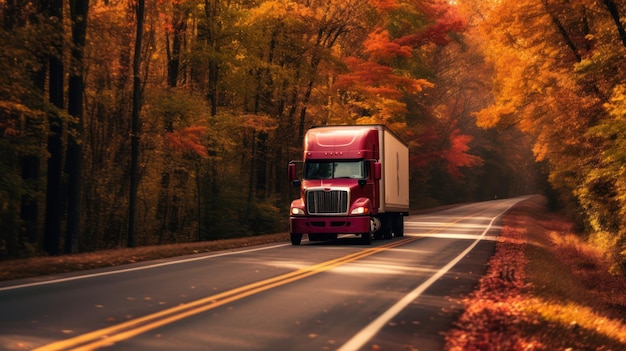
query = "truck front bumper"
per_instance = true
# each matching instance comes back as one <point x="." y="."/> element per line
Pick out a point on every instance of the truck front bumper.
<point x="329" y="225"/>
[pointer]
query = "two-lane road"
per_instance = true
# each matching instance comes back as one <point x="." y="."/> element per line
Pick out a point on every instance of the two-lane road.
<point x="395" y="294"/>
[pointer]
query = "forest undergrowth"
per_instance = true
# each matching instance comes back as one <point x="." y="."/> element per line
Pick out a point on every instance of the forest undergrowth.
<point x="545" y="289"/>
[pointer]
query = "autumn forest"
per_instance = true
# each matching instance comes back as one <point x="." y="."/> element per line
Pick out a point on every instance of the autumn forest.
<point x="133" y="122"/>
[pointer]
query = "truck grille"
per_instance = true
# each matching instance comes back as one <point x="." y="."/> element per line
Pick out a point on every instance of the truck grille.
<point x="323" y="202"/>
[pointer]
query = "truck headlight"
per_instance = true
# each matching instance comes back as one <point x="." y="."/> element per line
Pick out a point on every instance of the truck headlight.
<point x="360" y="210"/>
<point x="297" y="211"/>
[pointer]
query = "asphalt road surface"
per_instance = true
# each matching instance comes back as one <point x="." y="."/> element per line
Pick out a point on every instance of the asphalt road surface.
<point x="397" y="294"/>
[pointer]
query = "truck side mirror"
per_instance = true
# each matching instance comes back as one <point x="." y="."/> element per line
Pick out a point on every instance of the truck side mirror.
<point x="377" y="171"/>
<point x="293" y="175"/>
<point x="292" y="172"/>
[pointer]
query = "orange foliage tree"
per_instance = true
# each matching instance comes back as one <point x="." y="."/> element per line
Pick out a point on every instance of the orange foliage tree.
<point x="558" y="72"/>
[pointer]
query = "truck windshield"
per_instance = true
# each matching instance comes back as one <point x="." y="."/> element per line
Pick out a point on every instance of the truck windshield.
<point x="334" y="169"/>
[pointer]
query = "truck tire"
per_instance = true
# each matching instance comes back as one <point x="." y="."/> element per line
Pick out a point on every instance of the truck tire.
<point x="378" y="235"/>
<point x="296" y="238"/>
<point x="387" y="226"/>
<point x="366" y="238"/>
<point x="398" y="225"/>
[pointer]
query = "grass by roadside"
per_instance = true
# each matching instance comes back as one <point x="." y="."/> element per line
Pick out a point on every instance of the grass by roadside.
<point x="546" y="289"/>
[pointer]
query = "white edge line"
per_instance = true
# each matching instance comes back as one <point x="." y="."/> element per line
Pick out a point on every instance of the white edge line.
<point x="118" y="271"/>
<point x="363" y="336"/>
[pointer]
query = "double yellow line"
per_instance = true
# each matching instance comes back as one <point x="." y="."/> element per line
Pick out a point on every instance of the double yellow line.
<point x="110" y="335"/>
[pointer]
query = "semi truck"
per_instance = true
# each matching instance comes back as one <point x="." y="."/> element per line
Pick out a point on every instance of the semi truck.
<point x="352" y="179"/>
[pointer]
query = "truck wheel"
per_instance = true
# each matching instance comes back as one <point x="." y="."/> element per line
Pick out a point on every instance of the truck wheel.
<point x="398" y="225"/>
<point x="296" y="238"/>
<point x="366" y="238"/>
<point x="387" y="227"/>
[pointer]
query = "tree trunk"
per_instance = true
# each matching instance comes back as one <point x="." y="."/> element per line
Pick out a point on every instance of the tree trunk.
<point x="134" y="163"/>
<point x="211" y="12"/>
<point x="29" y="209"/>
<point x="612" y="7"/>
<point x="29" y="163"/>
<point x="179" y="25"/>
<point x="15" y="233"/>
<point x="73" y="166"/>
<point x="54" y="197"/>
<point x="566" y="37"/>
